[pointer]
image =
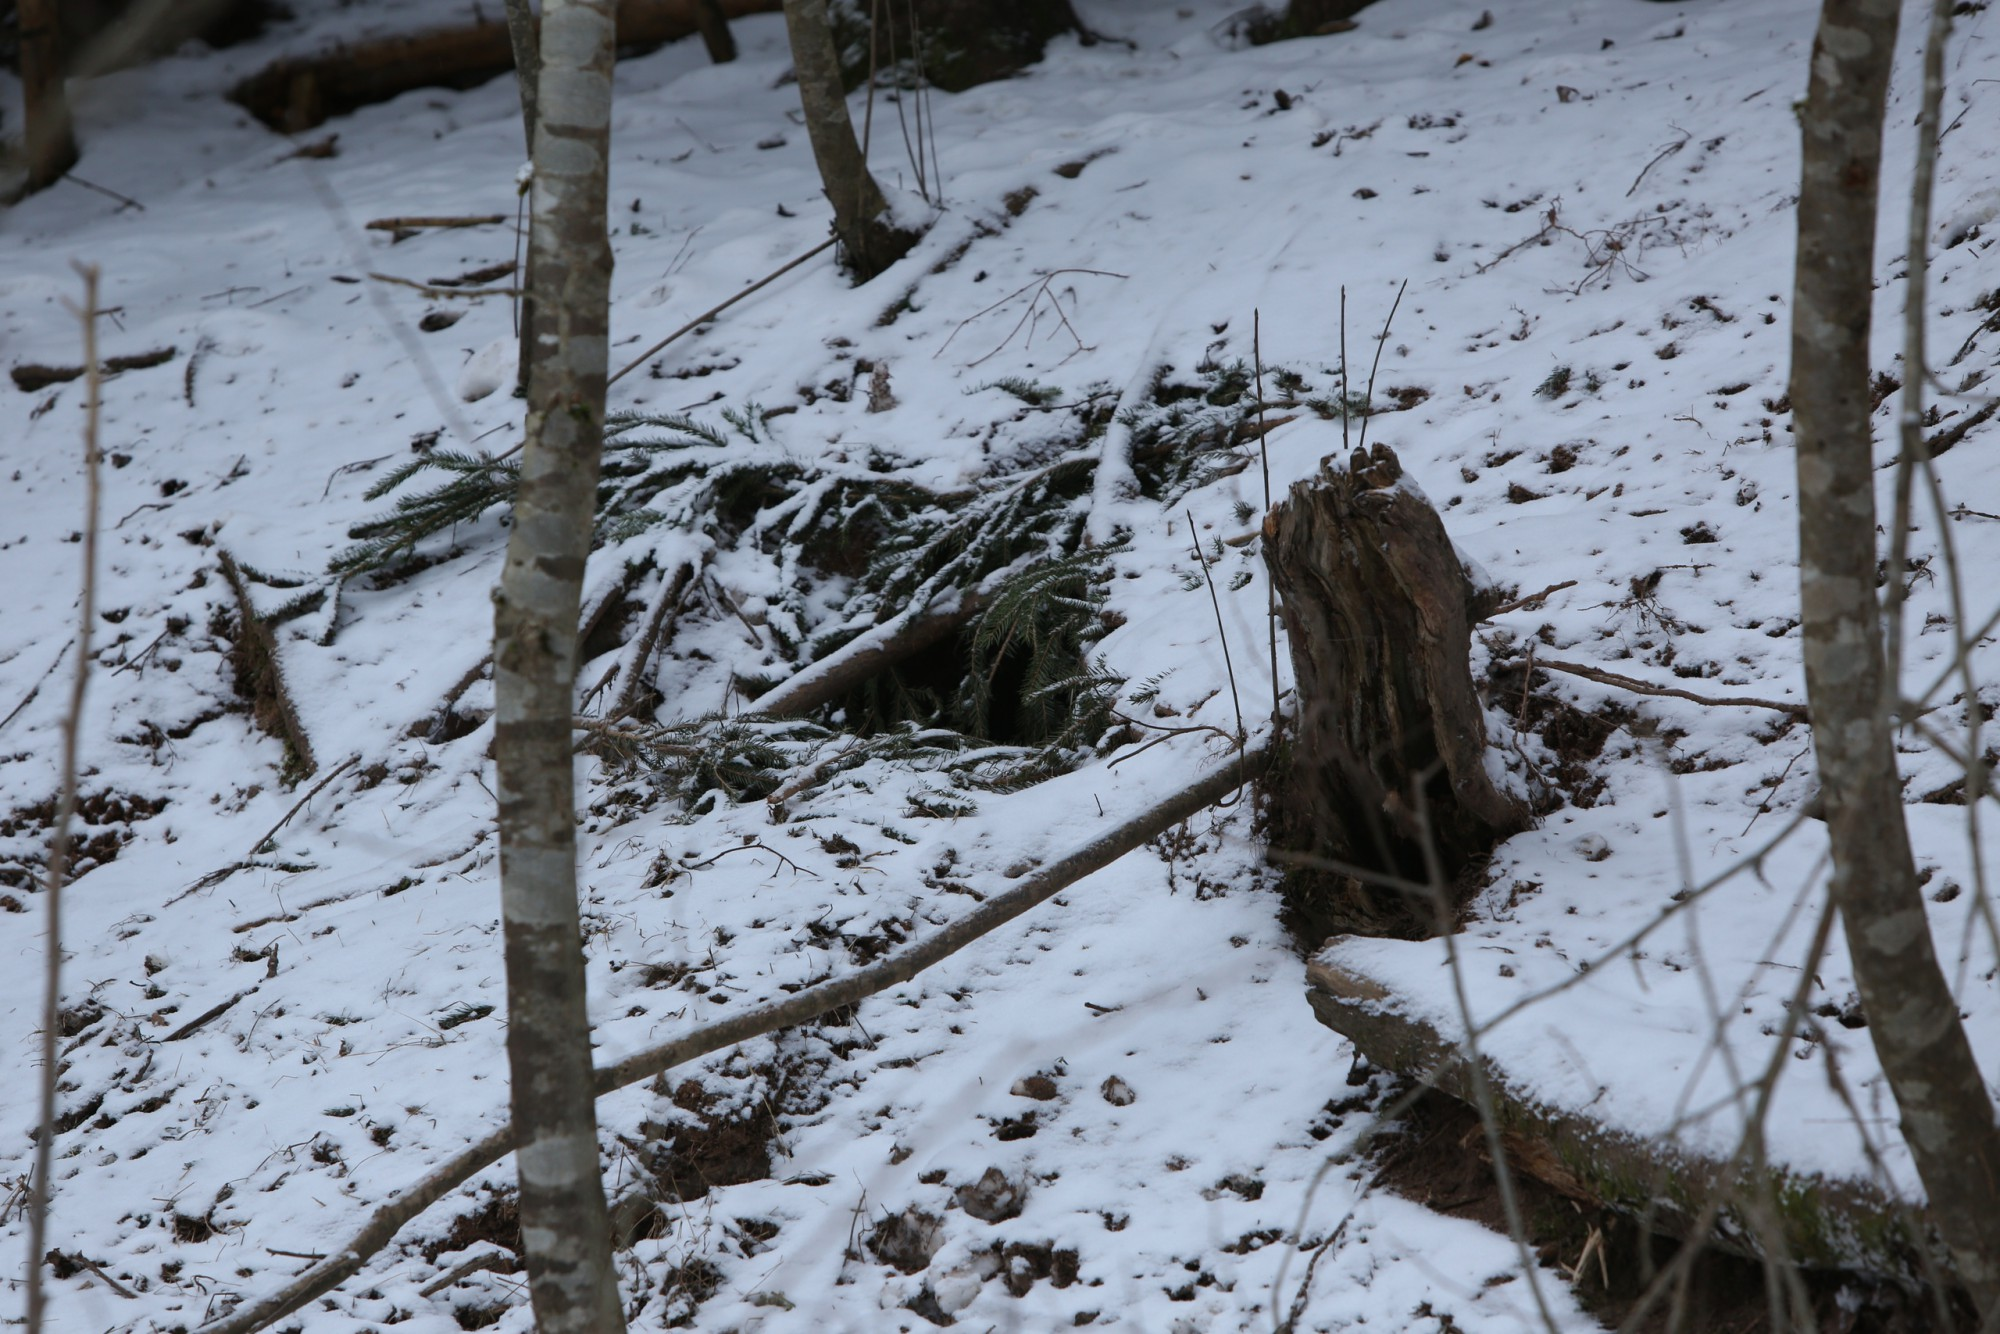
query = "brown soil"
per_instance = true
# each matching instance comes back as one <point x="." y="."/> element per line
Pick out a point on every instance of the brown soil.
<point x="1438" y="1159"/>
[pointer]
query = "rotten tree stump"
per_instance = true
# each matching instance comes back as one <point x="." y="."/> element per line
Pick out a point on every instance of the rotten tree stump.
<point x="1389" y="765"/>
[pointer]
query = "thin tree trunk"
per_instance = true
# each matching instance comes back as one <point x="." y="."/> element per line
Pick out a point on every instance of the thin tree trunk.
<point x="713" y="25"/>
<point x="868" y="241"/>
<point x="524" y="34"/>
<point x="565" y="1226"/>
<point x="1947" y="1116"/>
<point x="50" y="137"/>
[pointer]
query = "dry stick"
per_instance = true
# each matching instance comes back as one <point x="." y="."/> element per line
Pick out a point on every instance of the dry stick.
<point x="1194" y="535"/>
<point x="1914" y="453"/>
<point x="406" y="224"/>
<point x="1264" y="457"/>
<point x="799" y="1008"/>
<point x="36" y="689"/>
<point x="1528" y="601"/>
<point x="1369" y="407"/>
<point x="1639" y="687"/>
<point x="864" y="656"/>
<point x="447" y="293"/>
<point x="300" y="804"/>
<point x="59" y="839"/>
<point x="713" y="311"/>
<point x="1343" y="368"/>
<point x="493" y="1259"/>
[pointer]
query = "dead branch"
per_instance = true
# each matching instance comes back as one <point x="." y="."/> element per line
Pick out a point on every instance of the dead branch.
<point x="874" y="651"/>
<point x="1638" y="687"/>
<point x="801" y="1007"/>
<point x="419" y="222"/>
<point x="205" y="1018"/>
<point x="445" y="293"/>
<point x="494" y="1259"/>
<point x="633" y="673"/>
<point x="717" y="309"/>
<point x="59" y="837"/>
<point x="262" y="671"/>
<point x="1529" y="600"/>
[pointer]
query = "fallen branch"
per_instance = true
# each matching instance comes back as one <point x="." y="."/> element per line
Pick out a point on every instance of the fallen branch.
<point x="715" y="310"/>
<point x="206" y="1017"/>
<point x="256" y="651"/>
<point x="1528" y="601"/>
<point x="874" y="651"/>
<point x="28" y="379"/>
<point x="799" y="1008"/>
<point x="422" y="221"/>
<point x="1638" y="687"/>
<point x="446" y="293"/>
<point x="495" y="1259"/>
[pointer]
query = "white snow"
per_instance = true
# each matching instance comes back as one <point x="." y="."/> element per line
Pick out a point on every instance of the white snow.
<point x="200" y="1171"/>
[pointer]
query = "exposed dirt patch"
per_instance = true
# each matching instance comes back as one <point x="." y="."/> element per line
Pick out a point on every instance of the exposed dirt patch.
<point x="497" y="1221"/>
<point x="1438" y="1159"/>
<point x="719" y="1146"/>
<point x="103" y="827"/>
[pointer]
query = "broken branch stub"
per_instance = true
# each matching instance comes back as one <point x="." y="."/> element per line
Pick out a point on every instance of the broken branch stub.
<point x="1389" y="765"/>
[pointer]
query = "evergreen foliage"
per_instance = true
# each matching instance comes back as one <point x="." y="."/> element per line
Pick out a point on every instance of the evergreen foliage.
<point x="1022" y="670"/>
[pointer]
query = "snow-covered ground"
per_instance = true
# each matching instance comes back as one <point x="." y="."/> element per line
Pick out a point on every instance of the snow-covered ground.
<point x="1592" y="207"/>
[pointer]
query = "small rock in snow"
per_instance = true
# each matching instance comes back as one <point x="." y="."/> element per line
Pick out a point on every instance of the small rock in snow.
<point x="1039" y="1087"/>
<point x="1118" y="1093"/>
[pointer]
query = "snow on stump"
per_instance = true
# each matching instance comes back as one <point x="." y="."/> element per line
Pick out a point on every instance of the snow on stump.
<point x="1389" y="764"/>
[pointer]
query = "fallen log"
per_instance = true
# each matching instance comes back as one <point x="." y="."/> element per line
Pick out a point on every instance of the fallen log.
<point x="1216" y="782"/>
<point x="869" y="654"/>
<point x="1849" y="1225"/>
<point x="297" y="93"/>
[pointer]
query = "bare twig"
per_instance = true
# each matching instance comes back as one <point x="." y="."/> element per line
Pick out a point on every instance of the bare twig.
<point x="446" y="293"/>
<point x="1658" y="158"/>
<point x="1529" y="600"/>
<point x="1368" y="409"/>
<point x="715" y="310"/>
<point x="36" y="689"/>
<point x="494" y="1259"/>
<point x="800" y="1007"/>
<point x="1264" y="458"/>
<point x="59" y="838"/>
<point x="1638" y="687"/>
<point x="1041" y="288"/>
<point x="421" y="222"/>
<point x="1194" y="536"/>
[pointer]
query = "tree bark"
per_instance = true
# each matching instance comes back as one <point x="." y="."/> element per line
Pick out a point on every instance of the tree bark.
<point x="869" y="242"/>
<point x="1947" y="1114"/>
<point x="565" y="1225"/>
<point x="713" y="25"/>
<point x="1389" y="764"/>
<point x="50" y="138"/>
<point x="524" y="35"/>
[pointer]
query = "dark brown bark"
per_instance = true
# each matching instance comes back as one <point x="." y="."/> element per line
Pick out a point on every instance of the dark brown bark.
<point x="525" y="39"/>
<point x="1947" y="1115"/>
<point x="713" y="25"/>
<point x="297" y="93"/>
<point x="1379" y="611"/>
<point x="869" y="242"/>
<point x="565" y="1226"/>
<point x="49" y="138"/>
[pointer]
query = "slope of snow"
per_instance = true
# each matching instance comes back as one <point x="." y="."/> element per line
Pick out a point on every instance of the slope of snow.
<point x="1492" y="166"/>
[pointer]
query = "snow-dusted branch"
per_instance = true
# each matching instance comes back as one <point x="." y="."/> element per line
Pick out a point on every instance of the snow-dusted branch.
<point x="1216" y="782"/>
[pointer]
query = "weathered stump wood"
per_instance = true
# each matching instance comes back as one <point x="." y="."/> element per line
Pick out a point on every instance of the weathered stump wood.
<point x="1824" y="1223"/>
<point x="1389" y="765"/>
